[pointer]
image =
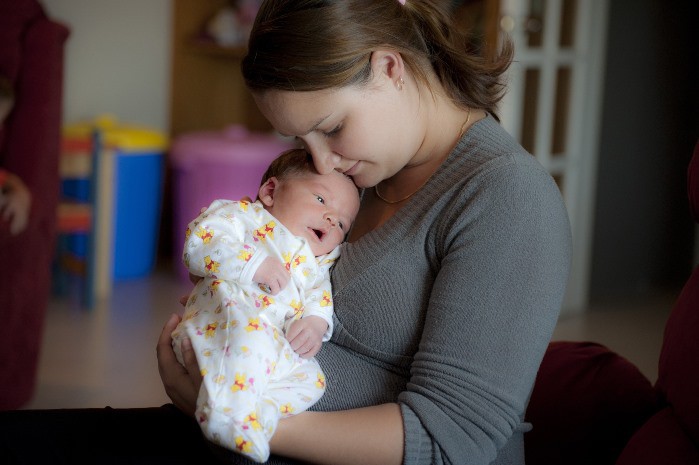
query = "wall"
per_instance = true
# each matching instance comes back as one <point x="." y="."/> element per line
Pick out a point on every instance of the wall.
<point x="643" y="232"/>
<point x="117" y="59"/>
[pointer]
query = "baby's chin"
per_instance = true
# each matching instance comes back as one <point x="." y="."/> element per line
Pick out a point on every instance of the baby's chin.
<point x="323" y="249"/>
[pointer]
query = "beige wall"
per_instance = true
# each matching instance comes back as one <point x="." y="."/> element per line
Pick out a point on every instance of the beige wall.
<point x="117" y="59"/>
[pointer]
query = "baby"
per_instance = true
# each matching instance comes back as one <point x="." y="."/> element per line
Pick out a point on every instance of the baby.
<point x="254" y="333"/>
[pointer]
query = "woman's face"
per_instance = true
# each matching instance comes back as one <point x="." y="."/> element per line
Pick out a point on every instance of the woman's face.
<point x="368" y="133"/>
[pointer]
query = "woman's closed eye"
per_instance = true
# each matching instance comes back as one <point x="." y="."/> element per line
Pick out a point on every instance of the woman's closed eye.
<point x="333" y="132"/>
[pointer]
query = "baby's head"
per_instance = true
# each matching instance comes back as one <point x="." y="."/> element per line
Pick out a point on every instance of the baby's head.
<point x="317" y="207"/>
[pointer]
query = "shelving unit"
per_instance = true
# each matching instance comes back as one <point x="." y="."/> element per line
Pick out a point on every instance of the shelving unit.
<point x="207" y="91"/>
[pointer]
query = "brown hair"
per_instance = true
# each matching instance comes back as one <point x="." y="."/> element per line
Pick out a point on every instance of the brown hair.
<point x="293" y="162"/>
<point x="306" y="45"/>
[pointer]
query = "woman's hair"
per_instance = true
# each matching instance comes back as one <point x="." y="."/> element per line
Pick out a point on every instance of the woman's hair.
<point x="293" y="162"/>
<point x="307" y="45"/>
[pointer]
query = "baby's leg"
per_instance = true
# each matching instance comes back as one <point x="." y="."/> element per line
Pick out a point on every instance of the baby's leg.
<point x="297" y="383"/>
<point x="237" y="350"/>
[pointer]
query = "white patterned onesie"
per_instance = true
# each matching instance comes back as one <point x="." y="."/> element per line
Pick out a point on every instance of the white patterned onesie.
<point x="251" y="375"/>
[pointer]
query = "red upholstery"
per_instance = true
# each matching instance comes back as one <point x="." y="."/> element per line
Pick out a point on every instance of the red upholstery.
<point x="590" y="406"/>
<point x="660" y="440"/>
<point x="672" y="435"/>
<point x="31" y="54"/>
<point x="586" y="404"/>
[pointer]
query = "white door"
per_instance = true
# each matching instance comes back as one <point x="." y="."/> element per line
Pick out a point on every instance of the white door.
<point x="553" y="107"/>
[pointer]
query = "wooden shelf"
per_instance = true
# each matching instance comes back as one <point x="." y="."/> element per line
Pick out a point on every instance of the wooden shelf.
<point x="211" y="48"/>
<point x="207" y="88"/>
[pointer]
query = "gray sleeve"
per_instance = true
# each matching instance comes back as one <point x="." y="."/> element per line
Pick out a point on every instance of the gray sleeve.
<point x="504" y="259"/>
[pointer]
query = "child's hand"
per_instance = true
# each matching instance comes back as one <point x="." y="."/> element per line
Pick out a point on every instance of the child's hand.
<point x="306" y="335"/>
<point x="273" y="273"/>
<point x="15" y="203"/>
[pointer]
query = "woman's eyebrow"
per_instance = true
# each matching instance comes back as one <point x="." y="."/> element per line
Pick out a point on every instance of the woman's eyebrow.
<point x="313" y="128"/>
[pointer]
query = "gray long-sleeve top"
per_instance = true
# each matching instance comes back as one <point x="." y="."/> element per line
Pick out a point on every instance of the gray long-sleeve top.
<point x="448" y="307"/>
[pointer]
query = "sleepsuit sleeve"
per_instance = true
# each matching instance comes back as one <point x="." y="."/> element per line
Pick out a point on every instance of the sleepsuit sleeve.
<point x="504" y="261"/>
<point x="218" y="245"/>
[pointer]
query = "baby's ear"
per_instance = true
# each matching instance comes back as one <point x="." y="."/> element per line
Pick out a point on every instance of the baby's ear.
<point x="267" y="191"/>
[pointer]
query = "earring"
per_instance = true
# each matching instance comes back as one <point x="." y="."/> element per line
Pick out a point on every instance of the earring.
<point x="400" y="84"/>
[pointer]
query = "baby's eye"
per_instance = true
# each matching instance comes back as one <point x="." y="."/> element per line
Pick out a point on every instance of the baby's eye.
<point x="342" y="225"/>
<point x="320" y="199"/>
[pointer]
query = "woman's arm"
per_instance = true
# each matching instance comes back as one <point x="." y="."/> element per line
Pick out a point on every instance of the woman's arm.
<point x="370" y="435"/>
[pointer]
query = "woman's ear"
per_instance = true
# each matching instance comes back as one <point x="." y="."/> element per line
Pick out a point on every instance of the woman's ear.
<point x="267" y="191"/>
<point x="388" y="64"/>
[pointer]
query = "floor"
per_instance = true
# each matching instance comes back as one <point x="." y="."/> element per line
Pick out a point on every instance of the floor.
<point x="107" y="356"/>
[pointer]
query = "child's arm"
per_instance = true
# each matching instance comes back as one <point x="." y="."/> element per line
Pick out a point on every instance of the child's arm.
<point x="315" y="327"/>
<point x="15" y="202"/>
<point x="273" y="274"/>
<point x="306" y="335"/>
<point x="215" y="246"/>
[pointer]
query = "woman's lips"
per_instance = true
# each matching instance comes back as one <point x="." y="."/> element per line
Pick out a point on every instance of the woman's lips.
<point x="352" y="170"/>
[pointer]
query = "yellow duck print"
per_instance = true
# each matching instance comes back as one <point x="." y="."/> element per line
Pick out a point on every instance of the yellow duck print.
<point x="286" y="409"/>
<point x="251" y="421"/>
<point x="320" y="382"/>
<point x="211" y="265"/>
<point x="240" y="383"/>
<point x="245" y="254"/>
<point x="261" y="233"/>
<point x="326" y="300"/>
<point x="242" y="445"/>
<point x="205" y="234"/>
<point x="298" y="309"/>
<point x="253" y="325"/>
<point x="213" y="285"/>
<point x="209" y="330"/>
<point x="298" y="260"/>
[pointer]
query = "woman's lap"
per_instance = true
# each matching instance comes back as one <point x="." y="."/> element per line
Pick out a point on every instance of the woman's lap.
<point x="159" y="435"/>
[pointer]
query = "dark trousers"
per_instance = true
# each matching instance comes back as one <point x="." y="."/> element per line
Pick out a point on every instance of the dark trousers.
<point x="153" y="436"/>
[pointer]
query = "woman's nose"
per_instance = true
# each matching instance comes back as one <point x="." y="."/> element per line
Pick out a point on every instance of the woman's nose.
<point x="325" y="160"/>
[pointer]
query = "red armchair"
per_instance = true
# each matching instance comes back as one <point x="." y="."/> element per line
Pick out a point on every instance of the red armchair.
<point x="591" y="406"/>
<point x="31" y="55"/>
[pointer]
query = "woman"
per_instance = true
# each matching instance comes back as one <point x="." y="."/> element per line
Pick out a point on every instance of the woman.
<point x="449" y="288"/>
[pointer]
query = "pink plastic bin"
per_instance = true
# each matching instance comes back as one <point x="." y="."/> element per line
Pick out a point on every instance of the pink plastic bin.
<point x="211" y="165"/>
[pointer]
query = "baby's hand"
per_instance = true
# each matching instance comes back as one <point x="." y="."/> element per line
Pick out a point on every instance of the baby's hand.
<point x="273" y="273"/>
<point x="306" y="335"/>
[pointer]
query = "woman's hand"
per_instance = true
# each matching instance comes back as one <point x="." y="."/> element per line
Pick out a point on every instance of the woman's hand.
<point x="15" y="203"/>
<point x="181" y="382"/>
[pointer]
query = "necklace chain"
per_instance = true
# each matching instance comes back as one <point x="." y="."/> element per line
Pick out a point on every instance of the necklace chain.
<point x="391" y="202"/>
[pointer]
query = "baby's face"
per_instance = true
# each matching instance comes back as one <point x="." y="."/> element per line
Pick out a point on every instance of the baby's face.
<point x="318" y="207"/>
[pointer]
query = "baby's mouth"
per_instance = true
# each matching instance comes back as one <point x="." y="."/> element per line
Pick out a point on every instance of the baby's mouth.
<point x="318" y="233"/>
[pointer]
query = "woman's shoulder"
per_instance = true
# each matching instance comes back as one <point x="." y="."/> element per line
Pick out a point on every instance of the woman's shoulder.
<point x="488" y="158"/>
